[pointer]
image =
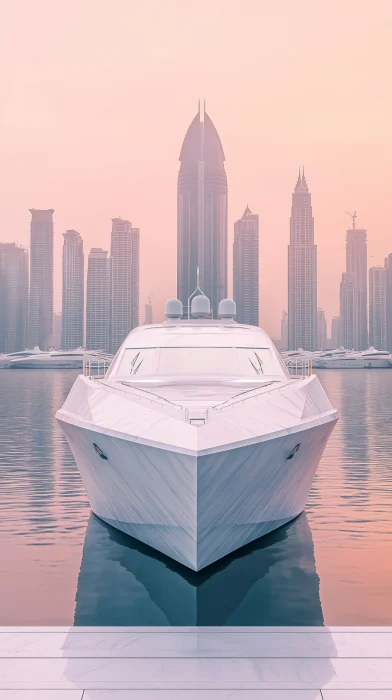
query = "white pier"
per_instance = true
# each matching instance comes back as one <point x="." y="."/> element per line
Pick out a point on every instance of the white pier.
<point x="193" y="663"/>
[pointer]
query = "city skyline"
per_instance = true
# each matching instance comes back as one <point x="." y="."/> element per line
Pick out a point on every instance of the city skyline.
<point x="106" y="158"/>
<point x="353" y="327"/>
<point x="365" y="266"/>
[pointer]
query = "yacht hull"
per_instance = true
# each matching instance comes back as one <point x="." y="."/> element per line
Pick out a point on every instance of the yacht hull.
<point x="197" y="506"/>
<point x="365" y="363"/>
<point x="47" y="363"/>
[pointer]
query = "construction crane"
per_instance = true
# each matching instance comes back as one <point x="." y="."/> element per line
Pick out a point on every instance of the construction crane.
<point x="150" y="295"/>
<point x="353" y="217"/>
<point x="148" y="308"/>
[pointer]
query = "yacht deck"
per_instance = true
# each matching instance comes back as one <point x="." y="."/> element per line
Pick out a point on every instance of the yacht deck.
<point x="190" y="394"/>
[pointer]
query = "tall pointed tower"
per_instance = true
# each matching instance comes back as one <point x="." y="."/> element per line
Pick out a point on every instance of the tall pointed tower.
<point x="302" y="272"/>
<point x="202" y="214"/>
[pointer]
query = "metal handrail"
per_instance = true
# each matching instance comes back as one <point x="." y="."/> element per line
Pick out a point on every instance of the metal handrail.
<point x="305" y="367"/>
<point x="238" y="398"/>
<point x="195" y="415"/>
<point x="100" y="364"/>
<point x="299" y="367"/>
<point x="132" y="391"/>
<point x="161" y="399"/>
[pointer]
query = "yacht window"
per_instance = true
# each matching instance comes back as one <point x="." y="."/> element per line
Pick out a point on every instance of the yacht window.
<point x="177" y="361"/>
<point x="137" y="361"/>
<point x="259" y="361"/>
<point x="197" y="361"/>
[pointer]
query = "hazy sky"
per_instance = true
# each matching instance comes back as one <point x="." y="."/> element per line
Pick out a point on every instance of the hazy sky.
<point x="97" y="96"/>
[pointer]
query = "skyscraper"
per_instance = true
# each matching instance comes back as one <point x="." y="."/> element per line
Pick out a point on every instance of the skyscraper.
<point x="284" y="331"/>
<point x="377" y="308"/>
<point x="135" y="296"/>
<point x="335" y="332"/>
<point x="321" y="330"/>
<point x="388" y="305"/>
<point x="124" y="281"/>
<point x="73" y="291"/>
<point x="356" y="264"/>
<point x="14" y="291"/>
<point x="348" y="306"/>
<point x="246" y="268"/>
<point x="202" y="214"/>
<point x="41" y="278"/>
<point x="55" y="341"/>
<point x="97" y="300"/>
<point x="302" y="277"/>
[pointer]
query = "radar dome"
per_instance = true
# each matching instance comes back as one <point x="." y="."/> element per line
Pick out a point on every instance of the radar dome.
<point x="200" y="307"/>
<point x="227" y="308"/>
<point x="173" y="308"/>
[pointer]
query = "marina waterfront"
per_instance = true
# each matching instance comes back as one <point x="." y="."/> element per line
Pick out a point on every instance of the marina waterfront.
<point x="60" y="565"/>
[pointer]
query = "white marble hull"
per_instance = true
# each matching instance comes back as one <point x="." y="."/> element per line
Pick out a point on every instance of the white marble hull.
<point x="197" y="508"/>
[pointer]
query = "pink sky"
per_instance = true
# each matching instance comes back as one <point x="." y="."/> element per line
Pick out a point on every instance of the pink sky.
<point x="97" y="96"/>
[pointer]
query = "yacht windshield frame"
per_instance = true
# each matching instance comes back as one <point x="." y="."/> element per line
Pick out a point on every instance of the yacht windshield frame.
<point x="248" y="361"/>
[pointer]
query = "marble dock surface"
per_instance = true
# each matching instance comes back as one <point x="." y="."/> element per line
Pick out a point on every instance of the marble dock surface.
<point x="195" y="663"/>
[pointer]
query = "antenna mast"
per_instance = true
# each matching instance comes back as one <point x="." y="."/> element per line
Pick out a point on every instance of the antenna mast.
<point x="196" y="292"/>
<point x="353" y="217"/>
<point x="150" y="295"/>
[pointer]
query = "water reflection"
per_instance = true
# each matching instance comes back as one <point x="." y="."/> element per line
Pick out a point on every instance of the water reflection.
<point x="271" y="582"/>
<point x="43" y="504"/>
<point x="354" y="401"/>
<point x="41" y="488"/>
<point x="44" y="512"/>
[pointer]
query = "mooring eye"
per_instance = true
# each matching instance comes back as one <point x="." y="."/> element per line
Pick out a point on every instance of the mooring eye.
<point x="294" y="451"/>
<point x="99" y="451"/>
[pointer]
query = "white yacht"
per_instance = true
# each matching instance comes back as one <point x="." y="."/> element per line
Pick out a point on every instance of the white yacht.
<point x="57" y="359"/>
<point x="197" y="440"/>
<point x="6" y="359"/>
<point x="349" y="359"/>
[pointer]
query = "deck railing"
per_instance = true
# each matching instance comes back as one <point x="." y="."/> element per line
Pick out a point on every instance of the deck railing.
<point x="197" y="416"/>
<point x="95" y="367"/>
<point x="299" y="367"/>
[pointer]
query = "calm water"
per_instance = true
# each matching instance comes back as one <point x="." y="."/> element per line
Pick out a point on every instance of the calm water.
<point x="60" y="565"/>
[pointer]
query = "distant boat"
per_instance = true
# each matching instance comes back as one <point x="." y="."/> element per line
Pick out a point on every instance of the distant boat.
<point x="6" y="359"/>
<point x="341" y="358"/>
<point x="57" y="359"/>
<point x="349" y="359"/>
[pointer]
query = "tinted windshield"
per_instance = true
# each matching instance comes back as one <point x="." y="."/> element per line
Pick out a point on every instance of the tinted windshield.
<point x="175" y="361"/>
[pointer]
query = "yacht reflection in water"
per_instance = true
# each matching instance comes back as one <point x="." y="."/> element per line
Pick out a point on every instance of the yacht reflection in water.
<point x="272" y="581"/>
